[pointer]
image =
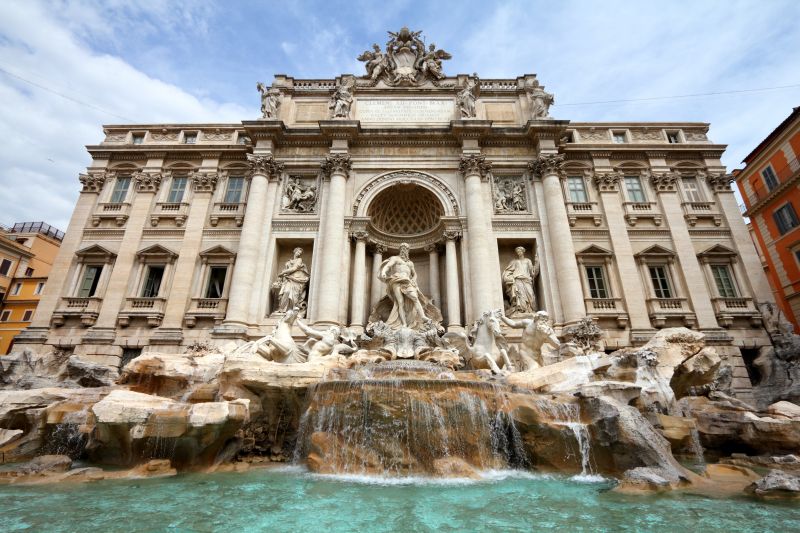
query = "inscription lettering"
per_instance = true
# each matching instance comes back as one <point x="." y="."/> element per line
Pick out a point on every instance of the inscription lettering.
<point x="405" y="110"/>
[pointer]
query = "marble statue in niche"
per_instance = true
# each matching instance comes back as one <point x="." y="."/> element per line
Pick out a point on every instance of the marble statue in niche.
<point x="292" y="284"/>
<point x="400" y="277"/>
<point x="509" y="196"/>
<point x="270" y="101"/>
<point x="299" y="196"/>
<point x="518" y="279"/>
<point x="467" y="97"/>
<point x="342" y="98"/>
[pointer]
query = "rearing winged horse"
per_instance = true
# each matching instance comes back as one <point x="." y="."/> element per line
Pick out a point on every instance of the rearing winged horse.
<point x="488" y="348"/>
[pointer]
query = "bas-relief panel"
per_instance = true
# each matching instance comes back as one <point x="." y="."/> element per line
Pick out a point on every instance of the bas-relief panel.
<point x="503" y="112"/>
<point x="310" y="111"/>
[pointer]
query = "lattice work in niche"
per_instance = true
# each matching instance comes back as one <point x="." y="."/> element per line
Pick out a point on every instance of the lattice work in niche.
<point x="405" y="210"/>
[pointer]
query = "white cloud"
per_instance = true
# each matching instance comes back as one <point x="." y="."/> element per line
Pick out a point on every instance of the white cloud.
<point x="44" y="133"/>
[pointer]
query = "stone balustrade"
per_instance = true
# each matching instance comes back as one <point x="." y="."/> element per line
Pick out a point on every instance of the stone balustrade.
<point x="117" y="211"/>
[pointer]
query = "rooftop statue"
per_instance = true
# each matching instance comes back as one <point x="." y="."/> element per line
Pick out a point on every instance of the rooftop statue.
<point x="342" y="98"/>
<point x="270" y="101"/>
<point x="406" y="60"/>
<point x="467" y="96"/>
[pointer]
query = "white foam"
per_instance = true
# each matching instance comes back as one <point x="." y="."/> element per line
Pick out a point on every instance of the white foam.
<point x="486" y="476"/>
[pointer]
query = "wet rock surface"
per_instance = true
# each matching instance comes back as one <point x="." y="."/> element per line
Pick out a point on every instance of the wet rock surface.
<point x="777" y="484"/>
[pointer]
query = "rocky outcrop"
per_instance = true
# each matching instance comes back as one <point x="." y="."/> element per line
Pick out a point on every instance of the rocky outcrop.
<point x="131" y="426"/>
<point x="695" y="373"/>
<point x="776" y="484"/>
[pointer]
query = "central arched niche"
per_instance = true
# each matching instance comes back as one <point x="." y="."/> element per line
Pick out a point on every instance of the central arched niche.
<point x="405" y="210"/>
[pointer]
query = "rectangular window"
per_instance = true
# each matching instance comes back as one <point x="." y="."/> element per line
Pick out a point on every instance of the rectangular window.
<point x="770" y="179"/>
<point x="26" y="317"/>
<point x="595" y="276"/>
<point x="633" y="185"/>
<point x="176" y="189"/>
<point x="673" y="137"/>
<point x="16" y="288"/>
<point x="5" y="266"/>
<point x="29" y="272"/>
<point x="39" y="288"/>
<point x="785" y="218"/>
<point x="5" y="316"/>
<point x="233" y="190"/>
<point x="216" y="282"/>
<point x="91" y="277"/>
<point x="190" y="138"/>
<point x="120" y="191"/>
<point x="691" y="190"/>
<point x="577" y="189"/>
<point x="661" y="285"/>
<point x="618" y="137"/>
<point x="152" y="281"/>
<point x="138" y="138"/>
<point x="724" y="281"/>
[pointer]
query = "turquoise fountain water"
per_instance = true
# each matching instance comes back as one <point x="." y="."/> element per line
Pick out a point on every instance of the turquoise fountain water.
<point x="294" y="500"/>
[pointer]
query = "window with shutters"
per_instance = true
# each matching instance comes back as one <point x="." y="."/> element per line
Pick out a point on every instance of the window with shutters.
<point x="577" y="189"/>
<point x="177" y="189"/>
<point x="233" y="190"/>
<point x="633" y="187"/>
<point x="89" y="281"/>
<point x="120" y="191"/>
<point x="661" y="282"/>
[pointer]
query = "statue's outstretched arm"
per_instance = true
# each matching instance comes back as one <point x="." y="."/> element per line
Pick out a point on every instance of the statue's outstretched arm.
<point x="311" y="332"/>
<point x="516" y="324"/>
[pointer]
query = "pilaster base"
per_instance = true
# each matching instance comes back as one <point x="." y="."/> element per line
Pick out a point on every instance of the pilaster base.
<point x="167" y="336"/>
<point x="230" y="331"/>
<point x="32" y="335"/>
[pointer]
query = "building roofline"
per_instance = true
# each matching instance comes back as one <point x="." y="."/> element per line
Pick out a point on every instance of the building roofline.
<point x="771" y="137"/>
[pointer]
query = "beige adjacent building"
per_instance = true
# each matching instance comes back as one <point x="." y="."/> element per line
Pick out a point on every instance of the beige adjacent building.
<point x="182" y="230"/>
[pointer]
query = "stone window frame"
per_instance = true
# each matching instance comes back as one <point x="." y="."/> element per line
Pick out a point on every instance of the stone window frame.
<point x="681" y="138"/>
<point x="94" y="255"/>
<point x="215" y="256"/>
<point x="722" y="255"/>
<point x="188" y="134"/>
<point x="634" y="173"/>
<point x="774" y="175"/>
<point x="222" y="187"/>
<point x="594" y="255"/>
<point x="584" y="172"/>
<point x="109" y="197"/>
<point x="138" y="134"/>
<point x="794" y="216"/>
<point x="701" y="188"/>
<point x="166" y="185"/>
<point x="626" y="134"/>
<point x="149" y="256"/>
<point x="657" y="255"/>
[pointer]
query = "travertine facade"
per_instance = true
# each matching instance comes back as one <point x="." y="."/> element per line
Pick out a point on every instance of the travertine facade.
<point x="181" y="230"/>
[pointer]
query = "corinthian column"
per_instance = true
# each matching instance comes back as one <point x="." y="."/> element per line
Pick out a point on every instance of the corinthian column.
<point x="549" y="168"/>
<point x="451" y="281"/>
<point x="336" y="167"/>
<point x="262" y="169"/>
<point x="376" y="287"/>
<point x="475" y="169"/>
<point x="358" y="294"/>
<point x="433" y="274"/>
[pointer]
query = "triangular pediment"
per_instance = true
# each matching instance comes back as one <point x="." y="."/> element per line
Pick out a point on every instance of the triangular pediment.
<point x="656" y="251"/>
<point x="157" y="250"/>
<point x="595" y="250"/>
<point x="718" y="250"/>
<point x="95" y="251"/>
<point x="217" y="251"/>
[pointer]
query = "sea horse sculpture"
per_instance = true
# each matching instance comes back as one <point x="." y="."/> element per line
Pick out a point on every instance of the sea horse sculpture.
<point x="488" y="350"/>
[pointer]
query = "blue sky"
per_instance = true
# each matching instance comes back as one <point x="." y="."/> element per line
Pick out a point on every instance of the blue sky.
<point x="156" y="61"/>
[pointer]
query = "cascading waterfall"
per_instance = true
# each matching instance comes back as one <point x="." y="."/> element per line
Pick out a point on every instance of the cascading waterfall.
<point x="569" y="415"/>
<point x="407" y="417"/>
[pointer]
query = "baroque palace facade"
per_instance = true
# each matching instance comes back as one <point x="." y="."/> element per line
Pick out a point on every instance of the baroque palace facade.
<point x="189" y="232"/>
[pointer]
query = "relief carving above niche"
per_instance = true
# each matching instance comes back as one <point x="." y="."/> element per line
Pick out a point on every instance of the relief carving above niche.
<point x="509" y="195"/>
<point x="300" y="194"/>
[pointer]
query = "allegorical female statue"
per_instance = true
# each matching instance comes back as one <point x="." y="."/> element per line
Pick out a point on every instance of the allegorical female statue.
<point x="292" y="283"/>
<point x="518" y="278"/>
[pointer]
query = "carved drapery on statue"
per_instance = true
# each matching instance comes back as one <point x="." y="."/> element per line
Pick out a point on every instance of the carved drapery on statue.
<point x="270" y="101"/>
<point x="292" y="284"/>
<point x="404" y="306"/>
<point x="518" y="279"/>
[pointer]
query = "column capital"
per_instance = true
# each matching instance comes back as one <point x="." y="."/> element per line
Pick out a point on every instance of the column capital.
<point x="264" y="165"/>
<point x="451" y="235"/>
<point x="432" y="247"/>
<point x="93" y="181"/>
<point x="664" y="181"/>
<point x="336" y="164"/>
<point x="149" y="181"/>
<point x="475" y="164"/>
<point x="204" y="181"/>
<point x="547" y="165"/>
<point x="718" y="182"/>
<point x="359" y="235"/>
<point x="379" y="248"/>
<point x="607" y="181"/>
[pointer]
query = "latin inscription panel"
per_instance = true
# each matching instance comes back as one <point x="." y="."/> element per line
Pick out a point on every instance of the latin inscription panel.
<point x="394" y="110"/>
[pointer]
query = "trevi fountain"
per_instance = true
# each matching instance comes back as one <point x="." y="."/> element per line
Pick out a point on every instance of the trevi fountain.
<point x="521" y="417"/>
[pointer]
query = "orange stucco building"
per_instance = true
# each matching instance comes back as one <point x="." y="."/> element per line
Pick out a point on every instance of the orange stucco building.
<point x="27" y="252"/>
<point x="770" y="185"/>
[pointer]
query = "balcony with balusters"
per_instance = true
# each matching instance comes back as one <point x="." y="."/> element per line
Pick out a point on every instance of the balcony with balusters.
<point x="642" y="210"/>
<point x="86" y="309"/>
<point x="663" y="309"/>
<point x="116" y="211"/>
<point x="213" y="309"/>
<point x="177" y="211"/>
<point x="584" y="210"/>
<point x="226" y="210"/>
<point x="150" y="309"/>
<point x="694" y="211"/>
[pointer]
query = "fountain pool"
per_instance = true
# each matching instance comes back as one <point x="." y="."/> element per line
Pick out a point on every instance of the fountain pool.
<point x="291" y="499"/>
